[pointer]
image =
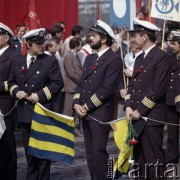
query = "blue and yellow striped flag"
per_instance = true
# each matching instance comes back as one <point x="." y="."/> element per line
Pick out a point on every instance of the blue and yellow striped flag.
<point x="52" y="135"/>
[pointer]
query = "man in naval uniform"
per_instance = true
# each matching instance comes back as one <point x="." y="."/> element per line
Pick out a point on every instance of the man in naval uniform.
<point x="173" y="101"/>
<point x="146" y="97"/>
<point x="94" y="97"/>
<point x="8" y="157"/>
<point x="34" y="77"/>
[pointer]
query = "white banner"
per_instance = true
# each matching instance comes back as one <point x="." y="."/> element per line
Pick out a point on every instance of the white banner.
<point x="2" y="125"/>
<point x="166" y="9"/>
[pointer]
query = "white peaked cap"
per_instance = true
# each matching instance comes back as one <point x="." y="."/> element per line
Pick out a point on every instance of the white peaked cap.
<point x="104" y="28"/>
<point x="6" y="30"/>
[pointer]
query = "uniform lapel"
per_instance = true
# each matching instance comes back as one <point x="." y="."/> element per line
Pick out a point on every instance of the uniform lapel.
<point x="143" y="63"/>
<point x="175" y="65"/>
<point x="36" y="66"/>
<point x="23" y="64"/>
<point x="4" y="55"/>
<point x="93" y="66"/>
<point x="89" y="68"/>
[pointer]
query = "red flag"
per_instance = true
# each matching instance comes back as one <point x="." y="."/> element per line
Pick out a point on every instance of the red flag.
<point x="31" y="19"/>
<point x="98" y="11"/>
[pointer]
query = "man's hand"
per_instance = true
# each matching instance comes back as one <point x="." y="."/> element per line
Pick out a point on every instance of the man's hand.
<point x="129" y="113"/>
<point x="123" y="92"/>
<point x="21" y="94"/>
<point x="128" y="72"/>
<point x="136" y="115"/>
<point x="33" y="98"/>
<point x="80" y="110"/>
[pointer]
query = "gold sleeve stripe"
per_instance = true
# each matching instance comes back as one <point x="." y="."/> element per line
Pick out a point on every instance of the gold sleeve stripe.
<point x="128" y="96"/>
<point x="76" y="96"/>
<point x="177" y="99"/>
<point x="12" y="89"/>
<point x="47" y="93"/>
<point x="148" y="103"/>
<point x="6" y="85"/>
<point x="95" y="100"/>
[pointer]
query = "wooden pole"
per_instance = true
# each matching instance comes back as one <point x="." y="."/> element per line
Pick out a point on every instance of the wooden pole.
<point x="164" y="26"/>
<point x="124" y="77"/>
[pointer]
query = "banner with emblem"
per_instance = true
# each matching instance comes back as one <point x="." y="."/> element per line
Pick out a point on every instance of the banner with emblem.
<point x="166" y="9"/>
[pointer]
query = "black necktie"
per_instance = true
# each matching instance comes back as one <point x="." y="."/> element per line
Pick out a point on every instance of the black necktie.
<point x="95" y="57"/>
<point x="134" y="56"/>
<point x="143" y="54"/>
<point x="31" y="62"/>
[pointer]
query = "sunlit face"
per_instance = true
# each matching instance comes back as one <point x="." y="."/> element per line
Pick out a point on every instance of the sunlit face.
<point x="58" y="46"/>
<point x="3" y="40"/>
<point x="79" y="35"/>
<point x="137" y="40"/>
<point x="36" y="48"/>
<point x="95" y="41"/>
<point x="60" y="34"/>
<point x="53" y="48"/>
<point x="21" y="31"/>
<point x="175" y="47"/>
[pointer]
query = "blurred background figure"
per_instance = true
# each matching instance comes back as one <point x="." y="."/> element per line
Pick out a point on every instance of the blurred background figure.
<point x="60" y="23"/>
<point x="85" y="50"/>
<point x="52" y="48"/>
<point x="76" y="32"/>
<point x="73" y="71"/>
<point x="21" y="30"/>
<point x="129" y="61"/>
<point x="48" y="34"/>
<point x="173" y="101"/>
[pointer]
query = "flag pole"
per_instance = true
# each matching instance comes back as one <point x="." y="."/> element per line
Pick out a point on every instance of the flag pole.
<point x="98" y="14"/>
<point x="164" y="26"/>
<point x="121" y="54"/>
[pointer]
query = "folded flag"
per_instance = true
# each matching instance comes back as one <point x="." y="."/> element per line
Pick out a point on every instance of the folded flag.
<point x="52" y="135"/>
<point x="125" y="136"/>
<point x="121" y="133"/>
<point x="2" y="125"/>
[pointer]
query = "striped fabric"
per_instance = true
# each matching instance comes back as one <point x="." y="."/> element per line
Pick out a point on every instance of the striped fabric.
<point x="52" y="135"/>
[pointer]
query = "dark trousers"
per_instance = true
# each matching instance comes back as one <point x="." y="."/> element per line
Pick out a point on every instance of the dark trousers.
<point x="149" y="154"/>
<point x="38" y="169"/>
<point x="173" y="135"/>
<point x="8" y="156"/>
<point x="58" y="102"/>
<point x="96" y="138"/>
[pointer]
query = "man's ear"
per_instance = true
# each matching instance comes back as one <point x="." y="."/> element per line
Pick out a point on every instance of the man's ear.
<point x="28" y="44"/>
<point x="103" y="40"/>
<point x="7" y="37"/>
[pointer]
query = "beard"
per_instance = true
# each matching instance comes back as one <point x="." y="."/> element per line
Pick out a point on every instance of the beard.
<point x="96" y="46"/>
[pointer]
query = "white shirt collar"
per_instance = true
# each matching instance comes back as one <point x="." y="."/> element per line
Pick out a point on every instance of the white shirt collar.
<point x="147" y="50"/>
<point x="3" y="49"/>
<point x="48" y="53"/>
<point x="29" y="59"/>
<point x="138" y="53"/>
<point x="100" y="53"/>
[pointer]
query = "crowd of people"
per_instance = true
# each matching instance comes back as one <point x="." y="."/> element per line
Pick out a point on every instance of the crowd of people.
<point x="81" y="77"/>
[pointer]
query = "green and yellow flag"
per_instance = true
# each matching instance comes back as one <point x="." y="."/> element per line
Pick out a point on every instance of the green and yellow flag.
<point x="121" y="133"/>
